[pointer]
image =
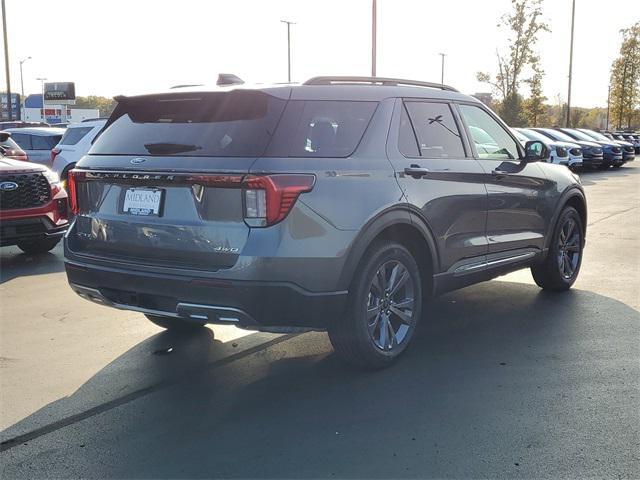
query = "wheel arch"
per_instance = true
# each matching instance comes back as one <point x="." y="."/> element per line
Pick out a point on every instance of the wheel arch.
<point x="400" y="225"/>
<point x="573" y="197"/>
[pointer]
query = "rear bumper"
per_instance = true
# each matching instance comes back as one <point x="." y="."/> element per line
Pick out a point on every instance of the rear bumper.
<point x="274" y="306"/>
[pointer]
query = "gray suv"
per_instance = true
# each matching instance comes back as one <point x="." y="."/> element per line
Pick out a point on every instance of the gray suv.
<point x="341" y="204"/>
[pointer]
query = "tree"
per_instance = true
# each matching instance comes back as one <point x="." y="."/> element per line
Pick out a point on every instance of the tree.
<point x="534" y="106"/>
<point x="624" y="100"/>
<point x="524" y="24"/>
<point x="104" y="104"/>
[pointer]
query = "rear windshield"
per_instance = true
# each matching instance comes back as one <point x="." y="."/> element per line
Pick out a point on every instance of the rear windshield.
<point x="74" y="135"/>
<point x="233" y="124"/>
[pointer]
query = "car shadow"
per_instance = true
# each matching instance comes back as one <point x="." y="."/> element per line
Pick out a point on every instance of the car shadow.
<point x="14" y="263"/>
<point x="502" y="380"/>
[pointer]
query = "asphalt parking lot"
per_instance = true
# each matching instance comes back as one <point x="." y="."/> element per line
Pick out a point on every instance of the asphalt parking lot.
<point x="502" y="381"/>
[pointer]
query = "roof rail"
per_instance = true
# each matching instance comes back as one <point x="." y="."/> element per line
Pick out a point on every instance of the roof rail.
<point x="376" y="81"/>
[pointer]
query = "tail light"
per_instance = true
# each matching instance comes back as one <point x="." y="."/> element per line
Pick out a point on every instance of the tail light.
<point x="54" y="154"/>
<point x="269" y="198"/>
<point x="72" y="184"/>
<point x="17" y="155"/>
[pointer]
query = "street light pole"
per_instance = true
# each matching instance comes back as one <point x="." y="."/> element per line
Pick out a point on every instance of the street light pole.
<point x="608" y="104"/>
<point x="288" y="48"/>
<point x="21" y="80"/>
<point x="442" y="68"/>
<point x="573" y="16"/>
<point x="374" y="35"/>
<point x="42" y="80"/>
<point x="6" y="61"/>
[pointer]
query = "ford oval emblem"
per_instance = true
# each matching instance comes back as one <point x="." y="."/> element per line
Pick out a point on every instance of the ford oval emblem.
<point x="8" y="186"/>
<point x="137" y="160"/>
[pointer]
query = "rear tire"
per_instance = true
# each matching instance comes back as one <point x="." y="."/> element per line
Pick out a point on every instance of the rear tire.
<point x="384" y="307"/>
<point x="38" y="246"/>
<point x="175" y="324"/>
<point x="560" y="269"/>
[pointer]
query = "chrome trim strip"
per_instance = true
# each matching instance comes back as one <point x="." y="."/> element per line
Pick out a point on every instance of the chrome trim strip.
<point x="465" y="269"/>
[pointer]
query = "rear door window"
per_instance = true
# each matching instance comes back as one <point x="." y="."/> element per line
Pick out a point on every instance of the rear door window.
<point x="73" y="135"/>
<point x="436" y="130"/>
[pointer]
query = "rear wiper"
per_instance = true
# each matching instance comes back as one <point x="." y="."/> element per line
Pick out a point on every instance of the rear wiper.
<point x="168" y="148"/>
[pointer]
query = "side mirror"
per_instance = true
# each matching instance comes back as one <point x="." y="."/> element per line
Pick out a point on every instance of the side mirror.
<point x="534" y="151"/>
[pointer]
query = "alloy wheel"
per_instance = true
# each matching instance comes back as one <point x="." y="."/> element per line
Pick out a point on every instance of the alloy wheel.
<point x="569" y="242"/>
<point x="390" y="306"/>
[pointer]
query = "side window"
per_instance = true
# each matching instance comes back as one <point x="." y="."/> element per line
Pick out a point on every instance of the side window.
<point x="490" y="139"/>
<point x="73" y="135"/>
<point x="436" y="129"/>
<point x="407" y="142"/>
<point x="38" y="142"/>
<point x="23" y="140"/>
<point x="330" y="128"/>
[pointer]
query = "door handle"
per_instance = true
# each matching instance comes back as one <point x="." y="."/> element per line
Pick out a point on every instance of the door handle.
<point x="499" y="173"/>
<point x="416" y="171"/>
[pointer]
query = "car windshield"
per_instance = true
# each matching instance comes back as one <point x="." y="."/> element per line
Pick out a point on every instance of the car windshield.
<point x="582" y="136"/>
<point x="557" y="135"/>
<point x="519" y="135"/>
<point x="533" y="135"/>
<point x="596" y="135"/>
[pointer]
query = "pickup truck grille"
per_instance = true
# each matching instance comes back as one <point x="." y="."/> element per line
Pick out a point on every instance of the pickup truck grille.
<point x="33" y="190"/>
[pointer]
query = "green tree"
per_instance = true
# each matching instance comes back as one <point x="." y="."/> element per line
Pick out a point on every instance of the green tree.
<point x="524" y="24"/>
<point x="624" y="97"/>
<point x="104" y="104"/>
<point x="534" y="107"/>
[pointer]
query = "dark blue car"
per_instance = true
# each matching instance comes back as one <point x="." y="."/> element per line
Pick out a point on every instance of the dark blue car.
<point x="612" y="152"/>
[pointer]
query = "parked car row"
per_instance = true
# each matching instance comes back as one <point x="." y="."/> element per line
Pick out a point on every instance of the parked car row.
<point x="581" y="147"/>
<point x="58" y="148"/>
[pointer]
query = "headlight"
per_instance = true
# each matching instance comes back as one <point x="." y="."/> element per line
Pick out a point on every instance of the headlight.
<point x="52" y="177"/>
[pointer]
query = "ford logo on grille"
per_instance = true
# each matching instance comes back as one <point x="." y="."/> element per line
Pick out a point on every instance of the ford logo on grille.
<point x="8" y="186"/>
<point x="138" y="160"/>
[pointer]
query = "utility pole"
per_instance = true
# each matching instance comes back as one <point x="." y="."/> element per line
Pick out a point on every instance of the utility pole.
<point x="42" y="80"/>
<point x="608" y="100"/>
<point x="374" y="28"/>
<point x="6" y="61"/>
<point x="624" y="84"/>
<point x="573" y="16"/>
<point x="288" y="48"/>
<point x="21" y="80"/>
<point x="442" y="68"/>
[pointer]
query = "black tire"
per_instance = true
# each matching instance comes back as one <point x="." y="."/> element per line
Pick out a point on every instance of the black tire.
<point x="357" y="336"/>
<point x="618" y="165"/>
<point x="38" y="246"/>
<point x="175" y="324"/>
<point x="604" y="166"/>
<point x="561" y="267"/>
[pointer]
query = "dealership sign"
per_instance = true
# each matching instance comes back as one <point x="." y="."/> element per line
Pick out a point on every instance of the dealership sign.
<point x="15" y="106"/>
<point x="60" y="93"/>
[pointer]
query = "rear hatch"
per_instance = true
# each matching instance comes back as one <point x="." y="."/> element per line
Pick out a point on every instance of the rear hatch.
<point x="165" y="182"/>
